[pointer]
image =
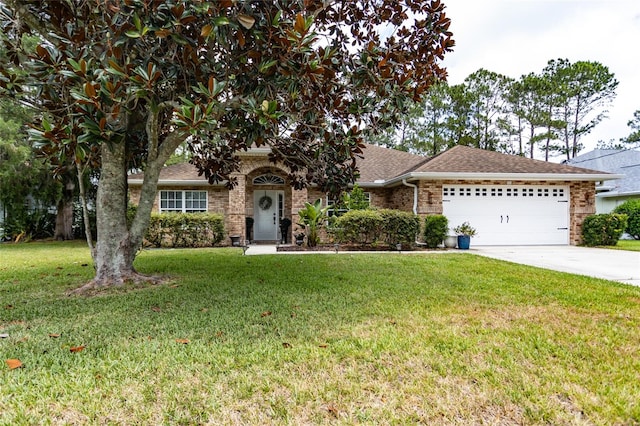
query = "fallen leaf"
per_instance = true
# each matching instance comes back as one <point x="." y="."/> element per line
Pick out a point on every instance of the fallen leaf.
<point x="24" y="339"/>
<point x="14" y="363"/>
<point x="54" y="335"/>
<point x="156" y="309"/>
<point x="286" y="345"/>
<point x="332" y="410"/>
<point x="293" y="314"/>
<point x="174" y="286"/>
<point x="323" y="346"/>
<point x="204" y="310"/>
<point x="183" y="341"/>
<point x="77" y="349"/>
<point x="9" y="307"/>
<point x="265" y="314"/>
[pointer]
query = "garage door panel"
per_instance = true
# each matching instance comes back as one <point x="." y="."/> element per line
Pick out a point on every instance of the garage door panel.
<point x="510" y="215"/>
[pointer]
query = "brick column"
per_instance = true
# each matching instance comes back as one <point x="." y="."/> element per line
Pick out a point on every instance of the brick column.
<point x="298" y="198"/>
<point x="235" y="217"/>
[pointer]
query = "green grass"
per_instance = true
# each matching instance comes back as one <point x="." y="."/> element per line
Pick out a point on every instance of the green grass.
<point x="630" y="245"/>
<point x="315" y="339"/>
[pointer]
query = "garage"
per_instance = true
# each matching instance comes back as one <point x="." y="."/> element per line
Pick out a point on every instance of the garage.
<point x="510" y="214"/>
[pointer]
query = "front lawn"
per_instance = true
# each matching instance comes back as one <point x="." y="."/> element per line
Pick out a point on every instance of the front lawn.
<point x="426" y="338"/>
<point x="630" y="245"/>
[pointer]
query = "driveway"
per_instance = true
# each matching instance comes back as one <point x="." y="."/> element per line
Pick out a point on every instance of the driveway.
<point x="614" y="265"/>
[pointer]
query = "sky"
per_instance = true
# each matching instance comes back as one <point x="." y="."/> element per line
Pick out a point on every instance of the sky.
<point x="516" y="37"/>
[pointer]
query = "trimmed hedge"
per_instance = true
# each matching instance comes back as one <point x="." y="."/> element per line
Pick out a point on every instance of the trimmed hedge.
<point x="603" y="229"/>
<point x="185" y="229"/>
<point x="436" y="228"/>
<point x="632" y="209"/>
<point x="367" y="227"/>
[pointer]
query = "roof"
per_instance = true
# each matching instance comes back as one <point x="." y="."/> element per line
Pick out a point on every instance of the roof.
<point x="619" y="161"/>
<point x="384" y="166"/>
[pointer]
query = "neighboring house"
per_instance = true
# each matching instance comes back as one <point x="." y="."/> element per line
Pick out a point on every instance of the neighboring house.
<point x="612" y="193"/>
<point x="510" y="200"/>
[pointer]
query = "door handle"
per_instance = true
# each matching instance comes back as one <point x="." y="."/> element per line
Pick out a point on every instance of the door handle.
<point x="501" y="218"/>
<point x="274" y="218"/>
<point x="507" y="218"/>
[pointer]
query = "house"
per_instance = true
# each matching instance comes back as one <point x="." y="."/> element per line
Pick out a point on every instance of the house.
<point x="510" y="200"/>
<point x="612" y="193"/>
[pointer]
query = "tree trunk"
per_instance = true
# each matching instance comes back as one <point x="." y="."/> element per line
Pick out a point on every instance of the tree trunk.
<point x="64" y="214"/>
<point x="114" y="253"/>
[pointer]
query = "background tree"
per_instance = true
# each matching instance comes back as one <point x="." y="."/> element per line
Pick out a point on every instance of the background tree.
<point x="127" y="81"/>
<point x="487" y="95"/>
<point x="634" y="137"/>
<point x="584" y="90"/>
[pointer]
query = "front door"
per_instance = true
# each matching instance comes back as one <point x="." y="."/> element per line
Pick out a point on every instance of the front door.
<point x="266" y="215"/>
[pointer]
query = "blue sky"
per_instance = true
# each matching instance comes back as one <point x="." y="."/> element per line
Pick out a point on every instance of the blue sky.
<point x="515" y="37"/>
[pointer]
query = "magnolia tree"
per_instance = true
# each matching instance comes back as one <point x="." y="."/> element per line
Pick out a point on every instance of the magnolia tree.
<point x="121" y="84"/>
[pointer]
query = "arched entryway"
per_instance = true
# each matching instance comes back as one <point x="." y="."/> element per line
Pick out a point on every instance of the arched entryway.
<point x="268" y="199"/>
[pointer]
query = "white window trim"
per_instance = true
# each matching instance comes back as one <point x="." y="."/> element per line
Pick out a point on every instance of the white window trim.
<point x="183" y="202"/>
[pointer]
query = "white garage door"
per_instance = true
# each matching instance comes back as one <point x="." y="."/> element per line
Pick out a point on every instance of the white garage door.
<point x="510" y="214"/>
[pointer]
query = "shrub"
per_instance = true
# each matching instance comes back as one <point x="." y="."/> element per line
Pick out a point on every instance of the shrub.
<point x="370" y="226"/>
<point x="435" y="230"/>
<point x="359" y="226"/>
<point x="603" y="229"/>
<point x="185" y="229"/>
<point x="632" y="209"/>
<point x="399" y="227"/>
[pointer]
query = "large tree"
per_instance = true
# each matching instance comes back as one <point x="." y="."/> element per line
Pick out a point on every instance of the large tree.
<point x="124" y="81"/>
<point x="583" y="91"/>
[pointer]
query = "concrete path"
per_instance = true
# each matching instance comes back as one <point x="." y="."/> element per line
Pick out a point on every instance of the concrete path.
<point x="614" y="265"/>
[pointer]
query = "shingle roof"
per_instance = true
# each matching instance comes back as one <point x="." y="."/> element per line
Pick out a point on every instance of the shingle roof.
<point x="383" y="164"/>
<point x="464" y="159"/>
<point x="624" y="162"/>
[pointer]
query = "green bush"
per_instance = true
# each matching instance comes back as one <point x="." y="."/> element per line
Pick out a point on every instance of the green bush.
<point x="632" y="209"/>
<point x="359" y="227"/>
<point x="603" y="229"/>
<point x="185" y="229"/>
<point x="435" y="230"/>
<point x="366" y="227"/>
<point x="399" y="227"/>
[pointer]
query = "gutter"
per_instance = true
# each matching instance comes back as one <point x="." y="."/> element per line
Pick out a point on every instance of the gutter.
<point x="503" y="176"/>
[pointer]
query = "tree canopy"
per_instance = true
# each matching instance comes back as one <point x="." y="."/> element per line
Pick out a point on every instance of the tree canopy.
<point x="550" y="111"/>
<point x="123" y="83"/>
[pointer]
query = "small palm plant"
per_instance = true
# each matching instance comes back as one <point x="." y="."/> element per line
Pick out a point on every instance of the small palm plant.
<point x="311" y="218"/>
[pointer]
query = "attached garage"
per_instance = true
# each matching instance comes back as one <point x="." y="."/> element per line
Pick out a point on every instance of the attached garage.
<point x="510" y="214"/>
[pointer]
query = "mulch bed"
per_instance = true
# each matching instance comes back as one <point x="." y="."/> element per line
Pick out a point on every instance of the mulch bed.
<point x="350" y="247"/>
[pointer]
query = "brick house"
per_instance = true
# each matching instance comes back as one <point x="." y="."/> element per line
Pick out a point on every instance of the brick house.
<point x="510" y="200"/>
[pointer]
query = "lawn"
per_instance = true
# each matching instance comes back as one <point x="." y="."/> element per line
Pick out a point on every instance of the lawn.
<point x="314" y="339"/>
<point x="630" y="245"/>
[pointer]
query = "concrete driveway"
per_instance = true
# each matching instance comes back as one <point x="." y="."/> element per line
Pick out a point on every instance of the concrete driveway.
<point x="614" y="265"/>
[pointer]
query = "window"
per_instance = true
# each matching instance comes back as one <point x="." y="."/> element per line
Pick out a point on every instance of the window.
<point x="341" y="207"/>
<point x="183" y="201"/>
<point x="268" y="179"/>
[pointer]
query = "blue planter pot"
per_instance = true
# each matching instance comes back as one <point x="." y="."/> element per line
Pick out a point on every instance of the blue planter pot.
<point x="463" y="242"/>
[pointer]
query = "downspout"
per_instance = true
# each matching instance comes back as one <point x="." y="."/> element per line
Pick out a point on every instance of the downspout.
<point x="415" y="194"/>
<point x="415" y="200"/>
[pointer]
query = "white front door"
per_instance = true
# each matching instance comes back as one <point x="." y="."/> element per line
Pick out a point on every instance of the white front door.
<point x="266" y="208"/>
<point x="510" y="214"/>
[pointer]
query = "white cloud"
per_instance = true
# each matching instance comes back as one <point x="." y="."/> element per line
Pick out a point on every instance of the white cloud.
<point x="516" y="37"/>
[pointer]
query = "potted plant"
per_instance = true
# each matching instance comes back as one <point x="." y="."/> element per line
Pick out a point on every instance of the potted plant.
<point x="464" y="232"/>
<point x="299" y="237"/>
